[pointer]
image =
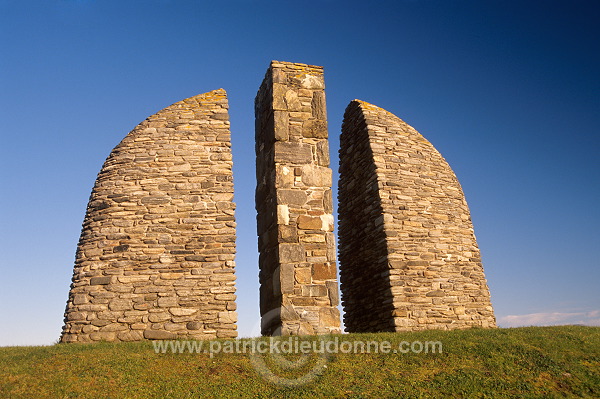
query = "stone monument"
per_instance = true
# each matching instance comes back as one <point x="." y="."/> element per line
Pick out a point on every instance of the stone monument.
<point x="408" y="255"/>
<point x="156" y="255"/>
<point x="298" y="282"/>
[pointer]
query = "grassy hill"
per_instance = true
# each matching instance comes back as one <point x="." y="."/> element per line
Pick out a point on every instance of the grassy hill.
<point x="533" y="362"/>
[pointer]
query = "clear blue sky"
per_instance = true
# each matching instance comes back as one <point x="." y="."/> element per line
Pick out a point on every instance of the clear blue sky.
<point x="508" y="92"/>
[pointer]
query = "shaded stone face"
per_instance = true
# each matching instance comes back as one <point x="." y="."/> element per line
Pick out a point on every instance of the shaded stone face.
<point x="408" y="255"/>
<point x="156" y="255"/>
<point x="293" y="200"/>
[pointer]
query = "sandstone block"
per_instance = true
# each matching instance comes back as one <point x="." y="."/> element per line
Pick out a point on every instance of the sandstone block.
<point x="183" y="311"/>
<point x="302" y="275"/>
<point x="323" y="271"/>
<point x="309" y="223"/>
<point x="227" y="317"/>
<point x="159" y="334"/>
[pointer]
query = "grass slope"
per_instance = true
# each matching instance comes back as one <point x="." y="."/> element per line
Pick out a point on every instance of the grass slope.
<point x="532" y="362"/>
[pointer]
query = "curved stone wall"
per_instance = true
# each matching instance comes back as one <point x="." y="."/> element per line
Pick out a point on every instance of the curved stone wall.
<point x="408" y="255"/>
<point x="156" y="255"/>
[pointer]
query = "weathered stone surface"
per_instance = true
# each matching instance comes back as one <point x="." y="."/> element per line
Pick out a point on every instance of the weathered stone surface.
<point x="316" y="176"/>
<point x="133" y="335"/>
<point x="283" y="214"/>
<point x="157" y="246"/>
<point x="281" y="125"/>
<point x="323" y="271"/>
<point x="100" y="280"/>
<point x="408" y="256"/>
<point x="292" y="197"/>
<point x="290" y="253"/>
<point x="159" y="334"/>
<point x="315" y="128"/>
<point x="194" y="325"/>
<point x="292" y="153"/>
<point x="294" y="204"/>
<point x="323" y="153"/>
<point x="309" y="222"/>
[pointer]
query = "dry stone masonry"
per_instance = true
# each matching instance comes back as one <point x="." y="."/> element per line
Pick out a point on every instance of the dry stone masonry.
<point x="407" y="250"/>
<point x="156" y="255"/>
<point x="155" y="258"/>
<point x="298" y="285"/>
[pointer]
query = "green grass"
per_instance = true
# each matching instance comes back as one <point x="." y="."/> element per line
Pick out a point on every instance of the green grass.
<point x="533" y="362"/>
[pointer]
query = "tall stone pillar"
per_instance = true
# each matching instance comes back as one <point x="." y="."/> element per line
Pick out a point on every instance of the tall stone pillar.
<point x="156" y="255"/>
<point x="408" y="255"/>
<point x="298" y="286"/>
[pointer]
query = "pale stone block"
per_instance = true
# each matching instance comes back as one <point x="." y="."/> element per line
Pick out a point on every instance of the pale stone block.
<point x="283" y="214"/>
<point x="227" y="317"/>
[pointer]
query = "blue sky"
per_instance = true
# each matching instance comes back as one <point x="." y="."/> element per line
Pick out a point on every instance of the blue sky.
<point x="507" y="91"/>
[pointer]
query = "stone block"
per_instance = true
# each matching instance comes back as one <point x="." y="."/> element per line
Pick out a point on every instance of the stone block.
<point x="292" y="197"/>
<point x="333" y="293"/>
<point x="288" y="234"/>
<point x="114" y="327"/>
<point x="314" y="290"/>
<point x="323" y="271"/>
<point x="315" y="128"/>
<point x="329" y="317"/>
<point x="279" y="91"/>
<point x="120" y="304"/>
<point x="318" y="107"/>
<point x="323" y="153"/>
<point x="194" y="325"/>
<point x="292" y="101"/>
<point x="227" y="317"/>
<point x="303" y="275"/>
<point x="288" y="313"/>
<point x="100" y="280"/>
<point x="108" y="336"/>
<point x="126" y="336"/>
<point x="76" y="316"/>
<point x="79" y="299"/>
<point x="283" y="214"/>
<point x="284" y="178"/>
<point x="167" y="302"/>
<point x="308" y="81"/>
<point x="291" y="253"/>
<point x="316" y="176"/>
<point x="309" y="223"/>
<point x="327" y="222"/>
<point x="159" y="334"/>
<point x="286" y="278"/>
<point x="183" y="311"/>
<point x="292" y="153"/>
<point x="281" y="125"/>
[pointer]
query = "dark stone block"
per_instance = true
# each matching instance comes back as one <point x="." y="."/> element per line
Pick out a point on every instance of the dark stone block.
<point x="100" y="280"/>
